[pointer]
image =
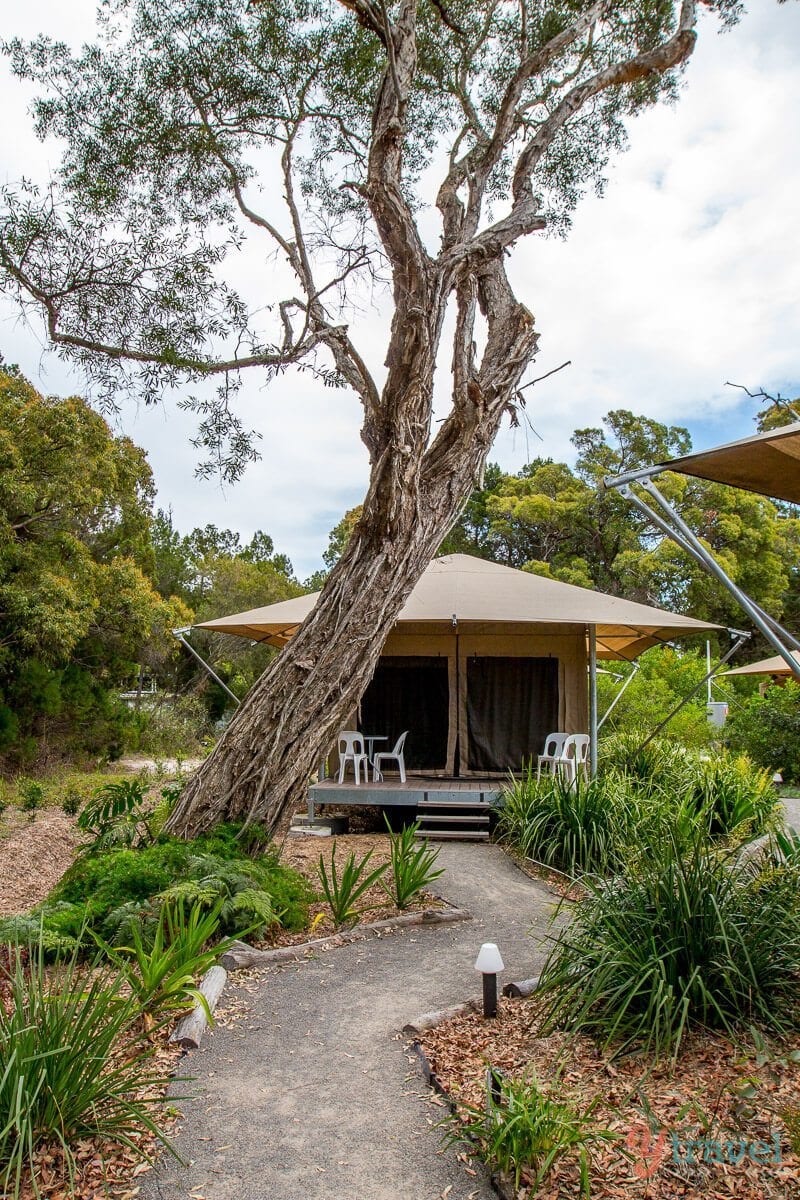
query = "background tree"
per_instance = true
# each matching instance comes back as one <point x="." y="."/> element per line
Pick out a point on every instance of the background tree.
<point x="78" y="611"/>
<point x="557" y="521"/>
<point x="353" y="105"/>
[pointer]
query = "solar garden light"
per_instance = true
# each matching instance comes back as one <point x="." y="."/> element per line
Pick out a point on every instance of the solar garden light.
<point x="489" y="963"/>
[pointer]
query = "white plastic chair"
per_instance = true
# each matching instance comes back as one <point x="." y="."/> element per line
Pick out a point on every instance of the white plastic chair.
<point x="351" y="749"/>
<point x="395" y="753"/>
<point x="553" y="745"/>
<point x="574" y="757"/>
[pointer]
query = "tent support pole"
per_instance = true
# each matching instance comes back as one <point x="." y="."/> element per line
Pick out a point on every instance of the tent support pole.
<point x="618" y="697"/>
<point x="179" y="634"/>
<point x="741" y="638"/>
<point x="775" y="634"/>
<point x="593" y="726"/>
<point x="697" y="552"/>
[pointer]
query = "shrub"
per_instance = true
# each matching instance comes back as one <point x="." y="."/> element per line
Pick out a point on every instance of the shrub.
<point x="576" y="829"/>
<point x="526" y="1130"/>
<point x="31" y="795"/>
<point x="343" y="891"/>
<point x="732" y="795"/>
<point x="71" y="800"/>
<point x="767" y="728"/>
<point x="61" y="1078"/>
<point x="106" y="892"/>
<point x="684" y="935"/>
<point x="412" y="865"/>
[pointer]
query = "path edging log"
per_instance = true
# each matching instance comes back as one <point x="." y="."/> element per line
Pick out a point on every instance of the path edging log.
<point x="240" y="955"/>
<point x="523" y="987"/>
<point x="190" y="1029"/>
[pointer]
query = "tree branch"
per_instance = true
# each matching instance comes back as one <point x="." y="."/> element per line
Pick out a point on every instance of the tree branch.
<point x="651" y="62"/>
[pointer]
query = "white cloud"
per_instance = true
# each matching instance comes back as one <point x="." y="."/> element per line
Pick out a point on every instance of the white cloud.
<point x="684" y="275"/>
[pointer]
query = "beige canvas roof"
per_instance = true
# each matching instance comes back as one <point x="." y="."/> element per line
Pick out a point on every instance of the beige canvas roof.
<point x="768" y="463"/>
<point x="765" y="666"/>
<point x="475" y="591"/>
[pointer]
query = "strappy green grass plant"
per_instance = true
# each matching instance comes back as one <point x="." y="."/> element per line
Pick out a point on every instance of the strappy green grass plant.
<point x="71" y="1066"/>
<point x="162" y="976"/>
<point x="412" y="865"/>
<point x="526" y="1129"/>
<point x="687" y="934"/>
<point x="578" y="829"/>
<point x="736" y="797"/>
<point x="344" y="890"/>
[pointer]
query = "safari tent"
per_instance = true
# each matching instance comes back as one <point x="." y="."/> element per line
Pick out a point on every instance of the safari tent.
<point x="484" y="661"/>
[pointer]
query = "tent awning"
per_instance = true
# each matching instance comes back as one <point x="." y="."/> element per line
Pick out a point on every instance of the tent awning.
<point x="767" y="463"/>
<point x="474" y="591"/>
<point x="765" y="666"/>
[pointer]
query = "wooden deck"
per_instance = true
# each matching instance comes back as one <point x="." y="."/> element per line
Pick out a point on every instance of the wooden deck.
<point x="418" y="789"/>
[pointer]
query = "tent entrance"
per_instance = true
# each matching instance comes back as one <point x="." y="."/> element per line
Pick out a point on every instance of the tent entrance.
<point x="511" y="706"/>
<point x="410" y="693"/>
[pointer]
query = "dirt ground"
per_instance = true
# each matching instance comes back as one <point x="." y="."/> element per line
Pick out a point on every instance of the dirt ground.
<point x="34" y="854"/>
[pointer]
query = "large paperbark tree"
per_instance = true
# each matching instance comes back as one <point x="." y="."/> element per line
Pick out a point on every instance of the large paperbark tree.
<point x="343" y="111"/>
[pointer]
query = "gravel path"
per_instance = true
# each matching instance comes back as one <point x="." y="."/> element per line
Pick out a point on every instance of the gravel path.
<point x="309" y="1095"/>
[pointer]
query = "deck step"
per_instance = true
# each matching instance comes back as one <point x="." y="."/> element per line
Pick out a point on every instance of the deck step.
<point x="431" y="803"/>
<point x="454" y="818"/>
<point x="464" y="835"/>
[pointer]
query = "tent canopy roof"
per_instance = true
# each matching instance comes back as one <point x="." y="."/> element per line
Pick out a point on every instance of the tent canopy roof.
<point x="765" y="666"/>
<point x="767" y="463"/>
<point x="473" y="590"/>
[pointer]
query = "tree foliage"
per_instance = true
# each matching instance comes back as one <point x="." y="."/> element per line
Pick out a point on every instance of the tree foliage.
<point x="556" y="520"/>
<point x="77" y="604"/>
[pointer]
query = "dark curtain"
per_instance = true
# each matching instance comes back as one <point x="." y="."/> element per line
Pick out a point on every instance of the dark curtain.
<point x="512" y="705"/>
<point x="412" y="694"/>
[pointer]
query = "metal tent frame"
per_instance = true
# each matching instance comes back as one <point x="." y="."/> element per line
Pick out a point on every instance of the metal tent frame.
<point x="672" y="524"/>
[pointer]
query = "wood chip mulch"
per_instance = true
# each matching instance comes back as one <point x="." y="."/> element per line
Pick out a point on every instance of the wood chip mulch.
<point x="730" y="1100"/>
<point x="34" y="854"/>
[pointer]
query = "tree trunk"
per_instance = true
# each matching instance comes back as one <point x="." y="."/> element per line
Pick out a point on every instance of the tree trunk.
<point x="261" y="766"/>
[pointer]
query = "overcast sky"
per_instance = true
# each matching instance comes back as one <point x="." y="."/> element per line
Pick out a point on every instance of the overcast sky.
<point x="684" y="275"/>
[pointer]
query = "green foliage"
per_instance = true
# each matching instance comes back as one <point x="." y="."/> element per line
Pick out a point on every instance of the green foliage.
<point x="162" y="973"/>
<point x="767" y="728"/>
<point x="108" y="892"/>
<point x="733" y="796"/>
<point x="684" y="935"/>
<point x="71" y="800"/>
<point x="343" y="891"/>
<point x="526" y="1130"/>
<point x="31" y="795"/>
<point x="576" y="829"/>
<point x="61" y="1078"/>
<point x="642" y="794"/>
<point x="123" y="798"/>
<point x="76" y="604"/>
<point x="412" y="865"/>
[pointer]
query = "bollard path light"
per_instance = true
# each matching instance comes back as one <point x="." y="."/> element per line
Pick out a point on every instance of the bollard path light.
<point x="489" y="963"/>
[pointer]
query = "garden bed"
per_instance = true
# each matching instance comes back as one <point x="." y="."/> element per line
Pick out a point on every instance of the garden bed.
<point x="722" y="1100"/>
<point x="302" y="854"/>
